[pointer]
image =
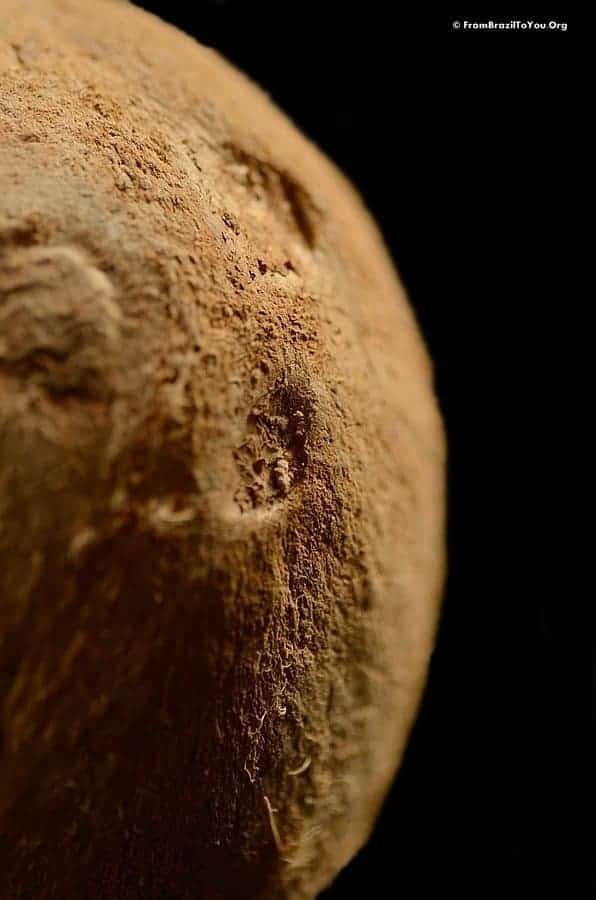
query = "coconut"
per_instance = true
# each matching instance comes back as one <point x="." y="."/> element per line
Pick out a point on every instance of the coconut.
<point x="221" y="484"/>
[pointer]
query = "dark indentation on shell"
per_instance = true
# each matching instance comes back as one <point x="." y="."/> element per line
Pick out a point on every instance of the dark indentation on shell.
<point x="288" y="199"/>
<point x="273" y="457"/>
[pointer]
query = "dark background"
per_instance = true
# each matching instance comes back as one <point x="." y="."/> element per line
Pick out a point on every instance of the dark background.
<point x="454" y="139"/>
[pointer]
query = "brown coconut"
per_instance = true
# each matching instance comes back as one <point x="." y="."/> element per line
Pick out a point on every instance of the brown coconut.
<point x="221" y="483"/>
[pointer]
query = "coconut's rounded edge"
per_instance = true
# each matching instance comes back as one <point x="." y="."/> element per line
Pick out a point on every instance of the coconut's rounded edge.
<point x="222" y="477"/>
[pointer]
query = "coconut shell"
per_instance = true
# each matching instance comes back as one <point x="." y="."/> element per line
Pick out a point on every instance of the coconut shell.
<point x="221" y="482"/>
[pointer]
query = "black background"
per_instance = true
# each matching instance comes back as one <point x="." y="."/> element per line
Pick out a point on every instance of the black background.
<point x="455" y="141"/>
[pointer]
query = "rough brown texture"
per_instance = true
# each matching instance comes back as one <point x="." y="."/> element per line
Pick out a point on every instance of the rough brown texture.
<point x="221" y="484"/>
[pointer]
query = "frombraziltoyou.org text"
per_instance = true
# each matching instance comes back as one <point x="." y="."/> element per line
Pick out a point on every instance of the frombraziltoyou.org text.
<point x="509" y="25"/>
